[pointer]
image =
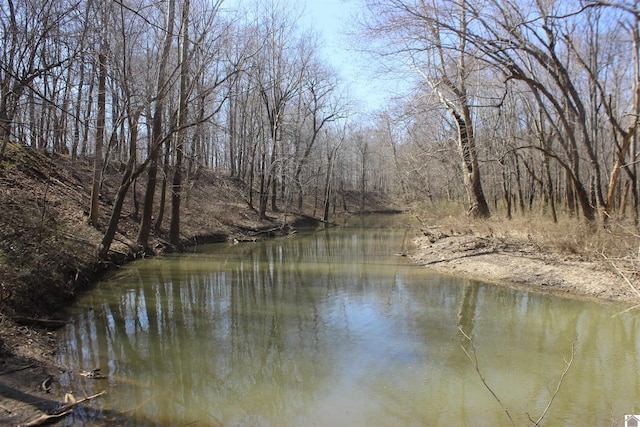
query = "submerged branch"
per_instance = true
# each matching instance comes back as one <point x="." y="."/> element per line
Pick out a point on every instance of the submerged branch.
<point x="472" y="356"/>
<point x="568" y="364"/>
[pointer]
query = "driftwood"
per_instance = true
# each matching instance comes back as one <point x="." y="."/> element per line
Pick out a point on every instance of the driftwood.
<point x="253" y="234"/>
<point x="49" y="324"/>
<point x="93" y="373"/>
<point x="62" y="411"/>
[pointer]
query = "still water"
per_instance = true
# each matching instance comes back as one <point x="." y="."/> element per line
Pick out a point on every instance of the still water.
<point x="330" y="328"/>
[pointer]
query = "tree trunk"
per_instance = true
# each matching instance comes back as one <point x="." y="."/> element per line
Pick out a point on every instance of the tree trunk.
<point x="100" y="124"/>
<point x="582" y="195"/>
<point x="625" y="198"/>
<point x="156" y="137"/>
<point x="264" y="187"/>
<point x="549" y="188"/>
<point x="327" y="186"/>
<point x="163" y="187"/>
<point x="519" y="185"/>
<point x="466" y="144"/>
<point x="176" y="188"/>
<point x="128" y="178"/>
<point x="78" y="109"/>
<point x="506" y="190"/>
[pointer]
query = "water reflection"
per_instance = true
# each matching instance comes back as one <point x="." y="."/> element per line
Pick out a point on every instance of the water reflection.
<point x="330" y="328"/>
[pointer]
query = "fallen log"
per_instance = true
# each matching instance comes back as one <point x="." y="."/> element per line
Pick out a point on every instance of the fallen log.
<point x="60" y="412"/>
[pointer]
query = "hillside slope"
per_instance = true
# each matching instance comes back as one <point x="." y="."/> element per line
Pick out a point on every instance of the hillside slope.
<point x="48" y="252"/>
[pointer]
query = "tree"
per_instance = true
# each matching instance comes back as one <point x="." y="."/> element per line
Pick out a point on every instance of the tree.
<point x="174" y="231"/>
<point x="318" y="108"/>
<point x="100" y="124"/>
<point x="525" y="44"/>
<point x="624" y="129"/>
<point x="157" y="137"/>
<point x="134" y="99"/>
<point x="279" y="73"/>
<point x="441" y="55"/>
<point x="27" y="28"/>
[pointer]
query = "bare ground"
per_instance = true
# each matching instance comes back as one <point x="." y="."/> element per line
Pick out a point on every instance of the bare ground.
<point x="525" y="264"/>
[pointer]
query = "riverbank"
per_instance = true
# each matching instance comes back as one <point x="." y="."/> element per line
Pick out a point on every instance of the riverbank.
<point x="48" y="253"/>
<point x="567" y="259"/>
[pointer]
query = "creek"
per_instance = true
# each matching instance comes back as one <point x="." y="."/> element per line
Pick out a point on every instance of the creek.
<point x="332" y="328"/>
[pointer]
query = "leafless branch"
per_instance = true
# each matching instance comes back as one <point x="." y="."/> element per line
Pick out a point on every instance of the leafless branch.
<point x="472" y="356"/>
<point x="568" y="364"/>
<point x="61" y="412"/>
<point x="621" y="274"/>
<point x="474" y="360"/>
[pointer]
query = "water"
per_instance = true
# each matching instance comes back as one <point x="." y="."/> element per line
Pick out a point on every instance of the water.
<point x="330" y="328"/>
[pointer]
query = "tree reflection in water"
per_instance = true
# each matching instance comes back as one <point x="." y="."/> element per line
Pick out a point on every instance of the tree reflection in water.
<point x="329" y="328"/>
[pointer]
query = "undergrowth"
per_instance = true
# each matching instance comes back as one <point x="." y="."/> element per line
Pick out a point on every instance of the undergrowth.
<point x="618" y="240"/>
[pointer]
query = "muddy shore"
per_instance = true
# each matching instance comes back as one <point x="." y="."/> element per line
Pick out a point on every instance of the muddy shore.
<point x="525" y="265"/>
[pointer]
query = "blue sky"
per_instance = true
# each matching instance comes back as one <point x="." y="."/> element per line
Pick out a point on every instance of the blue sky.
<point x="333" y="20"/>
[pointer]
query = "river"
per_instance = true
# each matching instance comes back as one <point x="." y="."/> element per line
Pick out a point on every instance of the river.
<point x="332" y="328"/>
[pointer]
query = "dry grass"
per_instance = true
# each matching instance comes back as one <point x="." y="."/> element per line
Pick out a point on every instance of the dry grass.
<point x="615" y="248"/>
<point x="570" y="236"/>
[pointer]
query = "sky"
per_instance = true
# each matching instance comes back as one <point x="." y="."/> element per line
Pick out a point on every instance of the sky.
<point x="333" y="20"/>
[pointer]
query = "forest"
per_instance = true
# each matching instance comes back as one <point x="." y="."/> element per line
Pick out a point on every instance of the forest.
<point x="511" y="107"/>
<point x="137" y="127"/>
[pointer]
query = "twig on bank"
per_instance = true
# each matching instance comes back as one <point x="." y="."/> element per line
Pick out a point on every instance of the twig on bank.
<point x="626" y="230"/>
<point x="11" y="371"/>
<point x="627" y="281"/>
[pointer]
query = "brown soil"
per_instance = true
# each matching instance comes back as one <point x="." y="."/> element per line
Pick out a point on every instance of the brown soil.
<point x="523" y="263"/>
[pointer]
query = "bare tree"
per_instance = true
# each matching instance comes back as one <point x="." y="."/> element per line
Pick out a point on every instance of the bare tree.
<point x="279" y="74"/>
<point x="441" y="55"/>
<point x="157" y="137"/>
<point x="27" y="28"/>
<point x="174" y="231"/>
<point x="319" y="107"/>
<point x="100" y="124"/>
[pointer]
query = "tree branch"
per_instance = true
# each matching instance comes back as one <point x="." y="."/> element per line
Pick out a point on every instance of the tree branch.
<point x="474" y="360"/>
<point x="568" y="364"/>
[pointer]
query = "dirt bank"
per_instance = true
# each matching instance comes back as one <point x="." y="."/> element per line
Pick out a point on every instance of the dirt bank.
<point x="48" y="253"/>
<point x="525" y="264"/>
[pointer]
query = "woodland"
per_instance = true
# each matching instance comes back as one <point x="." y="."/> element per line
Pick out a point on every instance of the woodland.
<point x="511" y="107"/>
<point x="139" y="110"/>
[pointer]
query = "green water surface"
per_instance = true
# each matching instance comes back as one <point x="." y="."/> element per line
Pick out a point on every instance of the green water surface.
<point x="330" y="328"/>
